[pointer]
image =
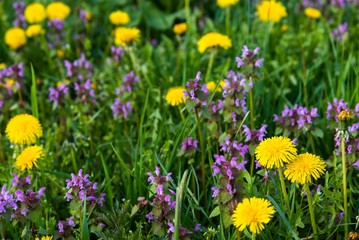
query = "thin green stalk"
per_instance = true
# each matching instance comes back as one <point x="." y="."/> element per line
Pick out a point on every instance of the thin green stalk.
<point x="200" y="136"/>
<point x="253" y="236"/>
<point x="251" y="107"/>
<point x="179" y="199"/>
<point x="311" y="142"/>
<point x="210" y="63"/>
<point x="188" y="13"/>
<point x="181" y="113"/>
<point x="228" y="20"/>
<point x="345" y="194"/>
<point x="284" y="191"/>
<point x="238" y="235"/>
<point x="311" y="210"/>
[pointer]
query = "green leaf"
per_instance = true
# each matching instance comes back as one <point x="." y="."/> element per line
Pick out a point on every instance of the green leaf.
<point x="215" y="212"/>
<point x="190" y="104"/>
<point x="35" y="214"/>
<point x="34" y="107"/>
<point x="299" y="222"/>
<point x="85" y="230"/>
<point x="134" y="210"/>
<point x="318" y="133"/>
<point x="278" y="131"/>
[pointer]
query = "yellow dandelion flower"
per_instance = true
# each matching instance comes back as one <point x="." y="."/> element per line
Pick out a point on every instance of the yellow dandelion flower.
<point x="253" y="212"/>
<point x="211" y="86"/>
<point x="35" y="13"/>
<point x="9" y="83"/>
<point x="175" y="96"/>
<point x="34" y="30"/>
<point x="275" y="151"/>
<point x="271" y="11"/>
<point x="344" y="115"/>
<point x="226" y="3"/>
<point x="23" y="129"/>
<point x="88" y="16"/>
<point x="60" y="53"/>
<point x="213" y="39"/>
<point x="15" y="37"/>
<point x="180" y="28"/>
<point x="312" y="13"/>
<point x="124" y="35"/>
<point x="44" y="238"/>
<point x="57" y="10"/>
<point x="2" y="65"/>
<point x="119" y="17"/>
<point x="28" y="157"/>
<point x="304" y="167"/>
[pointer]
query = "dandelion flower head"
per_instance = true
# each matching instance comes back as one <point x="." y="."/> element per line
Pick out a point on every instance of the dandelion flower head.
<point x="344" y="115"/>
<point x="124" y="35"/>
<point x="253" y="213"/>
<point x="180" y="28"/>
<point x="211" y="86"/>
<point x="2" y="65"/>
<point x="175" y="96"/>
<point x="15" y="37"/>
<point x="28" y="157"/>
<point x="35" y="13"/>
<point x="213" y="39"/>
<point x="312" y="13"/>
<point x="305" y="167"/>
<point x="271" y="11"/>
<point x="23" y="129"/>
<point x="34" y="30"/>
<point x="275" y="151"/>
<point x="57" y="10"/>
<point x="119" y="17"/>
<point x="44" y="238"/>
<point x="226" y="3"/>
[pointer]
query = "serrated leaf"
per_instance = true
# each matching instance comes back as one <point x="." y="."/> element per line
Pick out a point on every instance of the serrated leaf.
<point x="215" y="212"/>
<point x="299" y="222"/>
<point x="227" y="219"/>
<point x="190" y="104"/>
<point x="35" y="214"/>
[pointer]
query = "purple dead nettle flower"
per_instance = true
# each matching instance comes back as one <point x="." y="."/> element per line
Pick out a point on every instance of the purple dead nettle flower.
<point x="7" y="201"/>
<point x="129" y="82"/>
<point x="254" y="136"/>
<point x="234" y="149"/>
<point x="189" y="145"/>
<point x="80" y="187"/>
<point x="312" y="3"/>
<point x="121" y="110"/>
<point x="66" y="227"/>
<point x="20" y="182"/>
<point x="335" y="108"/>
<point x="356" y="164"/>
<point x="117" y="52"/>
<point x="55" y="33"/>
<point x="339" y="33"/>
<point x="28" y="200"/>
<point x="19" y="8"/>
<point x="249" y="58"/>
<point x="163" y="207"/>
<point x="81" y="69"/>
<point x="296" y="118"/>
<point x="15" y="71"/>
<point x="197" y="92"/>
<point x="85" y="92"/>
<point x="56" y="95"/>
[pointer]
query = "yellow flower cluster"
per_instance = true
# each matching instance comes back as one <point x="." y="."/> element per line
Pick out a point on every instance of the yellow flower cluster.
<point x="277" y="151"/>
<point x="119" y="17"/>
<point x="15" y="37"/>
<point x="25" y="129"/>
<point x="57" y="10"/>
<point x="180" y="28"/>
<point x="124" y="35"/>
<point x="35" y="13"/>
<point x="271" y="11"/>
<point x="213" y="39"/>
<point x="211" y="86"/>
<point x="175" y="96"/>
<point x="312" y="13"/>
<point x="226" y="3"/>
<point x="34" y="30"/>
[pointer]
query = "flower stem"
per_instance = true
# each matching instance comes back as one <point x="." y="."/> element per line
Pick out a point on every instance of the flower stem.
<point x="311" y="210"/>
<point x="238" y="235"/>
<point x="181" y="113"/>
<point x="345" y="195"/>
<point x="210" y="63"/>
<point x="200" y="136"/>
<point x="253" y="236"/>
<point x="251" y="107"/>
<point x="228" y="20"/>
<point x="284" y="191"/>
